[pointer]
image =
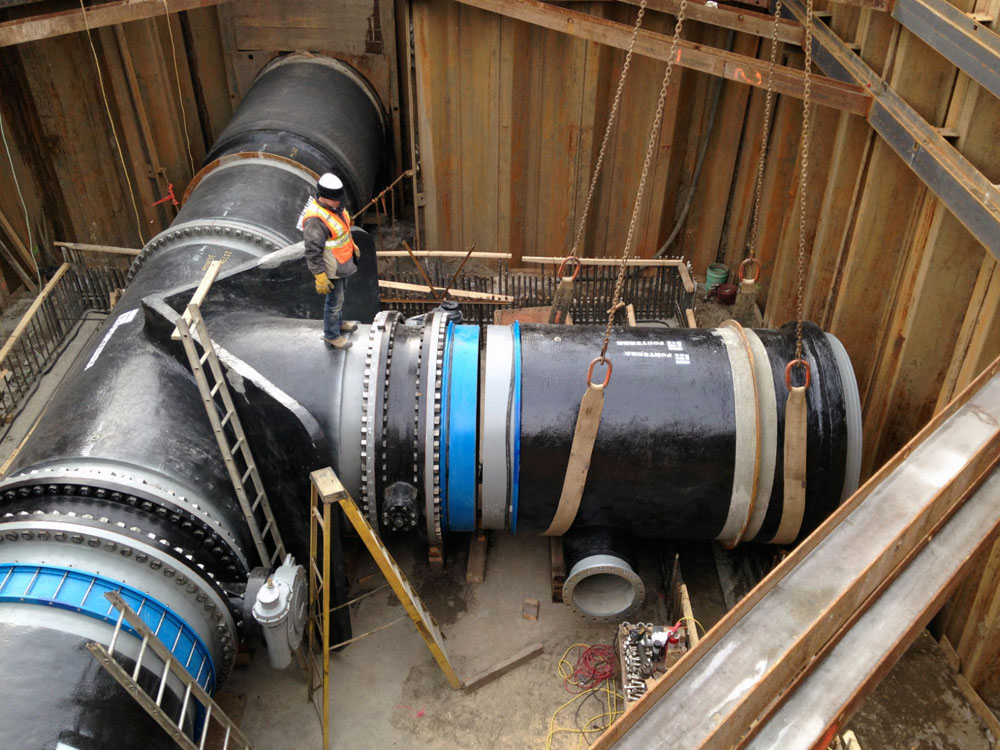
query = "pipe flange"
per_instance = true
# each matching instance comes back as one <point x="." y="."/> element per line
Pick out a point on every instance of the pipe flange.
<point x="380" y="335"/>
<point x="133" y="491"/>
<point x="604" y="588"/>
<point x="214" y="230"/>
<point x="435" y="329"/>
<point x="216" y="607"/>
<point x="140" y="534"/>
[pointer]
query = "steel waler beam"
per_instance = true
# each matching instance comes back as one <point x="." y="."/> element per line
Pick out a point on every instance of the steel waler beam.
<point x="968" y="194"/>
<point x="960" y="39"/>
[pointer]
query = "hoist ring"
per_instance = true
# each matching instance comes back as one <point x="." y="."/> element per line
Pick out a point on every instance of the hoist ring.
<point x="743" y="265"/>
<point x="788" y="372"/>
<point x="566" y="260"/>
<point x="590" y="372"/>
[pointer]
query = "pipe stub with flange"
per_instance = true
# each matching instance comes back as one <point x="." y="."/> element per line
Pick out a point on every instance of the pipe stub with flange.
<point x="603" y="587"/>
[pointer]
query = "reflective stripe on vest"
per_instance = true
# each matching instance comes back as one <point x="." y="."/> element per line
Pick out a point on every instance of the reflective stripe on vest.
<point x="340" y="242"/>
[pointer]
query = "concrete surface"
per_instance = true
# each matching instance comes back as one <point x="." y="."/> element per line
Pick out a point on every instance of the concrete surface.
<point x="387" y="691"/>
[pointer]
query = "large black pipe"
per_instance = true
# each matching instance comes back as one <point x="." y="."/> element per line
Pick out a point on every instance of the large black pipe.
<point x="122" y="483"/>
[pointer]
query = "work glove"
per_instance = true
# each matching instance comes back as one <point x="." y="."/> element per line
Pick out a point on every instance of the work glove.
<point x="323" y="284"/>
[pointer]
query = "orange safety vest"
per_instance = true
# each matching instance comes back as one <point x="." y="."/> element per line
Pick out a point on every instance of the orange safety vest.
<point x="339" y="243"/>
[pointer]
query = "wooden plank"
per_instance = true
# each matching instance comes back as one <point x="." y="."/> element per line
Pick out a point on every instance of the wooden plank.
<point x="529" y="609"/>
<point x="825" y="91"/>
<point x="847" y="670"/>
<point x="503" y="667"/>
<point x="475" y="569"/>
<point x="203" y="40"/>
<point x="25" y="321"/>
<point x="790" y="563"/>
<point x="49" y="25"/>
<point x="140" y="149"/>
<point x="748" y="21"/>
<point x="705" y="221"/>
<point x="460" y="293"/>
<point x="852" y="145"/>
<point x="15" y="238"/>
<point x="99" y="248"/>
<point x="15" y="263"/>
<point x="557" y="564"/>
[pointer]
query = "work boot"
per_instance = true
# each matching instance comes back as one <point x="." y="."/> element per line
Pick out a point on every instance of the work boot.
<point x="348" y="326"/>
<point x="340" y="342"/>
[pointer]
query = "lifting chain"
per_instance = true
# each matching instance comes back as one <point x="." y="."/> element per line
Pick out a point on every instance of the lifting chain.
<point x="563" y="299"/>
<point x="654" y="136"/>
<point x="751" y="259"/>
<point x="607" y="130"/>
<point x="804" y="185"/>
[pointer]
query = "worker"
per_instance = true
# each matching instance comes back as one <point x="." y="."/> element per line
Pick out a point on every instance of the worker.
<point x="330" y="254"/>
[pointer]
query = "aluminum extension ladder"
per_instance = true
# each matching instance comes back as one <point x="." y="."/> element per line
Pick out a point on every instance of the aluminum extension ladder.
<point x="197" y="708"/>
<point x="229" y="434"/>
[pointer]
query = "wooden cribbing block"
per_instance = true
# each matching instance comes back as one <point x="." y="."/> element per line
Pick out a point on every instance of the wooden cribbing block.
<point x="501" y="668"/>
<point x="529" y="610"/>
<point x="475" y="570"/>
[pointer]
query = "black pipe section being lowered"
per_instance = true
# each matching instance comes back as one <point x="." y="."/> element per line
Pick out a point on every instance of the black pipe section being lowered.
<point x="431" y="425"/>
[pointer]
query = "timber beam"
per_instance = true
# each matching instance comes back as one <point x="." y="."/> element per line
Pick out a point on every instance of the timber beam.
<point x="749" y="22"/>
<point x="741" y="68"/>
<point x="34" y="28"/>
<point x="968" y="194"/>
<point x="743" y="667"/>
<point x="958" y="38"/>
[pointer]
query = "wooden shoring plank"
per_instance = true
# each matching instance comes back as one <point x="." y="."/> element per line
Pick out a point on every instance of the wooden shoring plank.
<point x="660" y="205"/>
<point x="505" y="95"/>
<point x="203" y="39"/>
<point x="924" y="328"/>
<point x="428" y="51"/>
<point x="967" y="192"/>
<point x="590" y="133"/>
<point x="852" y="145"/>
<point x="516" y="49"/>
<point x="705" y="222"/>
<point x="562" y="96"/>
<point x="782" y="297"/>
<point x="45" y="26"/>
<point x="920" y="501"/>
<point x="874" y="256"/>
<point x="980" y="335"/>
<point x="825" y="91"/>
<point x="148" y="173"/>
<point x="477" y="47"/>
<point x="503" y="667"/>
<point x="779" y="183"/>
<point x="736" y="231"/>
